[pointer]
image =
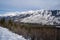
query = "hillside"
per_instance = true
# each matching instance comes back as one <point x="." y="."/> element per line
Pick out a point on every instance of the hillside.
<point x="44" y="17"/>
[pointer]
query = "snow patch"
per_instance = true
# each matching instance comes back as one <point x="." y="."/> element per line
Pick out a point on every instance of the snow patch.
<point x="5" y="34"/>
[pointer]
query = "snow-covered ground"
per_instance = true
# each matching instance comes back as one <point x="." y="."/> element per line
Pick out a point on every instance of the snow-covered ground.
<point x="5" y="34"/>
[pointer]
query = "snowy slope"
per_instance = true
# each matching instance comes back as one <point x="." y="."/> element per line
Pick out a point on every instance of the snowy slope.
<point x="48" y="17"/>
<point x="39" y="16"/>
<point x="5" y="34"/>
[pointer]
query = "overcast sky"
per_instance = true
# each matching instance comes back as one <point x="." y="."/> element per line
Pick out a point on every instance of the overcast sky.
<point x="25" y="5"/>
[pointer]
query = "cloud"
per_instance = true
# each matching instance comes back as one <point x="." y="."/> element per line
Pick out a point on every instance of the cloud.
<point x="10" y="14"/>
<point x="29" y="4"/>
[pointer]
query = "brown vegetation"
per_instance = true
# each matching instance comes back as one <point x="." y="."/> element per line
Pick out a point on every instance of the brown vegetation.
<point x="35" y="32"/>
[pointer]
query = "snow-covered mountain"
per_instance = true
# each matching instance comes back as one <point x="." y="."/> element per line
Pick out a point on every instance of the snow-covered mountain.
<point x="5" y="34"/>
<point x="48" y="17"/>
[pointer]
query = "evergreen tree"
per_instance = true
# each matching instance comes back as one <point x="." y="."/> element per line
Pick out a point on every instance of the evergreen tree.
<point x="10" y="22"/>
<point x="2" y="21"/>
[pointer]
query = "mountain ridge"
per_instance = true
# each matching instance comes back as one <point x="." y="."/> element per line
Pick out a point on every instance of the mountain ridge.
<point x="48" y="17"/>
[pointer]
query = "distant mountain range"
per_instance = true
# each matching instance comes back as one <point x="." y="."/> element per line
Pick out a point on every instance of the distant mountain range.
<point x="44" y="17"/>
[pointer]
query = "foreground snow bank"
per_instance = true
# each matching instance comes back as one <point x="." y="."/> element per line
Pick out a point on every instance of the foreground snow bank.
<point x="5" y="34"/>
